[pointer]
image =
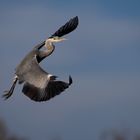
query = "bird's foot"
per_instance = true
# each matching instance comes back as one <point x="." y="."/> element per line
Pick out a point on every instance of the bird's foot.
<point x="7" y="94"/>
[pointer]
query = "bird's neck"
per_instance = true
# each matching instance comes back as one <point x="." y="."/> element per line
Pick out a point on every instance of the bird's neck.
<point x="48" y="43"/>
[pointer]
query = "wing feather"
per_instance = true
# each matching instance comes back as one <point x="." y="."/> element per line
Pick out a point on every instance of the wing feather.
<point x="67" y="28"/>
<point x="52" y="89"/>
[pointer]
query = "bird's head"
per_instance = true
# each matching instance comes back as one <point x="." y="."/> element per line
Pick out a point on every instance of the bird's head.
<point x="54" y="39"/>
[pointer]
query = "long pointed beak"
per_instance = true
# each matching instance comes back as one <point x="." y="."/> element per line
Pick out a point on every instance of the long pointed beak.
<point x="63" y="39"/>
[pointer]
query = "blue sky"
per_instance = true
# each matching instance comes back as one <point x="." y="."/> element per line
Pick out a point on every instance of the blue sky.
<point x="102" y="56"/>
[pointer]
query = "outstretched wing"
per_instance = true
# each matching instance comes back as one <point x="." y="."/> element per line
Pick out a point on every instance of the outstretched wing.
<point x="55" y="88"/>
<point x="67" y="28"/>
<point x="52" y="89"/>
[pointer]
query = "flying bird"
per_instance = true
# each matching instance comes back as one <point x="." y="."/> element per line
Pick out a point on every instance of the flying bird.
<point x="40" y="85"/>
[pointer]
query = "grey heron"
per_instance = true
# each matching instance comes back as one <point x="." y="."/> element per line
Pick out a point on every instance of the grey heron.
<point x="40" y="85"/>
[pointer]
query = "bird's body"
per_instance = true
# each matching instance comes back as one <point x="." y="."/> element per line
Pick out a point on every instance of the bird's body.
<point x="40" y="85"/>
<point x="26" y="65"/>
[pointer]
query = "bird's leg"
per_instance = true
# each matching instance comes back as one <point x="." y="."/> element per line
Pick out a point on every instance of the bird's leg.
<point x="10" y="92"/>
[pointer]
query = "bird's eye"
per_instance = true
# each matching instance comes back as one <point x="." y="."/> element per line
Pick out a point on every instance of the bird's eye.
<point x="55" y="38"/>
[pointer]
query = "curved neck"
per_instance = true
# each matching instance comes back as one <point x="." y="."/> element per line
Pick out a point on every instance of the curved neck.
<point x="50" y="46"/>
<point x="45" y="53"/>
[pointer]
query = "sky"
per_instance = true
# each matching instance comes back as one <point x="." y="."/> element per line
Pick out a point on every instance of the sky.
<point x="102" y="55"/>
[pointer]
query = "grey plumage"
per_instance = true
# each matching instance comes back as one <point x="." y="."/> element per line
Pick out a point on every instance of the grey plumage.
<point x="39" y="85"/>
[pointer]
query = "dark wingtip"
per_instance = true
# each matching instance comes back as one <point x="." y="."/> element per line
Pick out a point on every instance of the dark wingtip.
<point x="70" y="80"/>
<point x="68" y="27"/>
<point x="76" y="20"/>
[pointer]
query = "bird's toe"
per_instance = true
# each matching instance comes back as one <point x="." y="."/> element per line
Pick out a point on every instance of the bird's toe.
<point x="6" y="95"/>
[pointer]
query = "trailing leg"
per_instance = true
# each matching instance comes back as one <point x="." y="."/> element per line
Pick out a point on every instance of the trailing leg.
<point x="10" y="92"/>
